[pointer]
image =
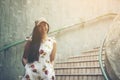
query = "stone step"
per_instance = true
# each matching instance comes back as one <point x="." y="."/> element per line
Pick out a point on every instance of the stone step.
<point x="80" y="77"/>
<point x="83" y="63"/>
<point x="84" y="57"/>
<point x="92" y="51"/>
<point x="82" y="67"/>
<point x="78" y="70"/>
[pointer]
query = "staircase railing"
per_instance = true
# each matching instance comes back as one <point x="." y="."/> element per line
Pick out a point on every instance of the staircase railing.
<point x="61" y="29"/>
<point x="100" y="60"/>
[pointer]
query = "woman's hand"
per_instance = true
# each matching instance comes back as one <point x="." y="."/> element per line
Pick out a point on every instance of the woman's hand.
<point x="24" y="61"/>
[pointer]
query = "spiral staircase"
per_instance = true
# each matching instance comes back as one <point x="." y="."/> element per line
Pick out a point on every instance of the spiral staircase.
<point x="83" y="67"/>
<point x="89" y="65"/>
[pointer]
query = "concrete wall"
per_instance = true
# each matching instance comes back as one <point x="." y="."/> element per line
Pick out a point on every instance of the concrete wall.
<point x="17" y="21"/>
<point x="82" y="37"/>
<point x="112" y="44"/>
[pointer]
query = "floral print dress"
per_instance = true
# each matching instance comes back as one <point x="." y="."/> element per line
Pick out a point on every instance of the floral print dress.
<point x="42" y="69"/>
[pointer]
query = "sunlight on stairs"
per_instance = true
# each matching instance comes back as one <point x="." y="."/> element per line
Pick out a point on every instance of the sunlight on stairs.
<point x="82" y="67"/>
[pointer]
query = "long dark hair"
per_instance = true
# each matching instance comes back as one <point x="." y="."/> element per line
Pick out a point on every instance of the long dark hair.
<point x="33" y="53"/>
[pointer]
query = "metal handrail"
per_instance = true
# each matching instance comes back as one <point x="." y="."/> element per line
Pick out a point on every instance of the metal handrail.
<point x="19" y="42"/>
<point x="12" y="44"/>
<point x="100" y="60"/>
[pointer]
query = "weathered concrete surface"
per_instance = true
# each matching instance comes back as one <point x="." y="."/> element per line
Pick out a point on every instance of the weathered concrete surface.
<point x="113" y="50"/>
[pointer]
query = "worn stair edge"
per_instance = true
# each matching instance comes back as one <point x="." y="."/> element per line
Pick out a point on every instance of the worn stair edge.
<point x="80" y="61"/>
<point x="100" y="74"/>
<point x="84" y="56"/>
<point x="86" y="67"/>
<point x="90" y="51"/>
<point x="78" y="66"/>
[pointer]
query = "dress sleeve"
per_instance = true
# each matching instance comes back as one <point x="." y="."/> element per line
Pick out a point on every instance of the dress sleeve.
<point x="53" y="39"/>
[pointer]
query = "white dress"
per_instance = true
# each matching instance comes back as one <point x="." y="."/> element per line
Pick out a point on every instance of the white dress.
<point x="42" y="69"/>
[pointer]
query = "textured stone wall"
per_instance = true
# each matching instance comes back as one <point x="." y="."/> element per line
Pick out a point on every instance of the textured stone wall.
<point x="113" y="50"/>
<point x="16" y="22"/>
<point x="12" y="27"/>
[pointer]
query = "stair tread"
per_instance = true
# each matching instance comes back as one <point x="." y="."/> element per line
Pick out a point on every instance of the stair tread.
<point x="85" y="59"/>
<point x="77" y="67"/>
<point x="62" y="62"/>
<point x="98" y="74"/>
<point x="93" y="50"/>
<point x="84" y="56"/>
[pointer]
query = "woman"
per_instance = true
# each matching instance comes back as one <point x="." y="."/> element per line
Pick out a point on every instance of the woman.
<point x="39" y="54"/>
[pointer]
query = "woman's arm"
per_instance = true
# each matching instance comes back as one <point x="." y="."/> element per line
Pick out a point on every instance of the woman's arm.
<point x="24" y="61"/>
<point x="52" y="56"/>
<point x="25" y="54"/>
